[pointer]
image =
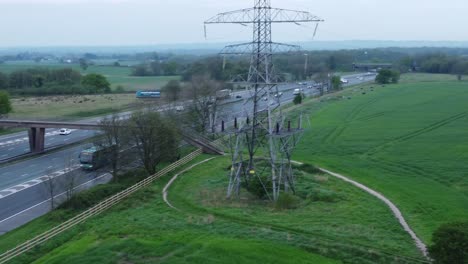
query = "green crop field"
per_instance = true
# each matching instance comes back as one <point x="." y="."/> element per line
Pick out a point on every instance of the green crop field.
<point x="117" y="76"/>
<point x="408" y="141"/>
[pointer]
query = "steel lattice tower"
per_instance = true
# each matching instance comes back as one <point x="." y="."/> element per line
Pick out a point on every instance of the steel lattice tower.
<point x="263" y="128"/>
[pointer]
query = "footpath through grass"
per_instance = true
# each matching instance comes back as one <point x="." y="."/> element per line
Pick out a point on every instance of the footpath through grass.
<point x="408" y="141"/>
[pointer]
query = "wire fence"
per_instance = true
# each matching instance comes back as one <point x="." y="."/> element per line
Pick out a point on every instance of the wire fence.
<point x="95" y="210"/>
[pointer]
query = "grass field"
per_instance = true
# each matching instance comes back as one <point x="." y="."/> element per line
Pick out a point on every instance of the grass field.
<point x="340" y="223"/>
<point x="70" y="107"/>
<point x="408" y="141"/>
<point x="117" y="76"/>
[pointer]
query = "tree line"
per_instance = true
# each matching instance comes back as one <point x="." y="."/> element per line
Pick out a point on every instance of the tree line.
<point x="43" y="81"/>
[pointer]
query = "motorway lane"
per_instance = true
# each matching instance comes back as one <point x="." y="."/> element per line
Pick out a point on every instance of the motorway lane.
<point x="13" y="174"/>
<point x="17" y="144"/>
<point x="31" y="169"/>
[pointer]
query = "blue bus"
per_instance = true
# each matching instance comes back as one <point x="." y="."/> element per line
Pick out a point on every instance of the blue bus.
<point x="148" y="94"/>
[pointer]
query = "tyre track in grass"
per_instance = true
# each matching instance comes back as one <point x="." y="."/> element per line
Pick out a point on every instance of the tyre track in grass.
<point x="417" y="133"/>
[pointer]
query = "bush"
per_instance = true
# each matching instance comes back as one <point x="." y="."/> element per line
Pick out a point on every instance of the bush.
<point x="450" y="244"/>
<point x="86" y="199"/>
<point x="298" y="99"/>
<point x="310" y="169"/>
<point x="387" y="76"/>
<point x="255" y="186"/>
<point x="287" y="201"/>
<point x="120" y="89"/>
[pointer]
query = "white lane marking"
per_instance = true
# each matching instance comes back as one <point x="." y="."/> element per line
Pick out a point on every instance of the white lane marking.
<point x="34" y="206"/>
<point x="38" y="180"/>
<point x="24" y="139"/>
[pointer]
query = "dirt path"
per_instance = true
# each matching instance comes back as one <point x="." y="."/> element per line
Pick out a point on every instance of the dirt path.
<point x="168" y="185"/>
<point x="419" y="243"/>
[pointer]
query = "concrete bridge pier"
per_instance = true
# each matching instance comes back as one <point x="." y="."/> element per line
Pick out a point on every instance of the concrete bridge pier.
<point x="36" y="139"/>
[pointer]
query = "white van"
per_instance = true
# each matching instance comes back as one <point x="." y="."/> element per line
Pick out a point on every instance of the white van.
<point x="297" y="91"/>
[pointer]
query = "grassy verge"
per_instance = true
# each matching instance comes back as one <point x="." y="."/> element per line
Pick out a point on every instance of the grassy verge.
<point x="143" y="229"/>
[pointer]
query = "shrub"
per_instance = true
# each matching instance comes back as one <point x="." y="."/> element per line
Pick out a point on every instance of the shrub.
<point x="120" y="89"/>
<point x="387" y="76"/>
<point x="91" y="197"/>
<point x="257" y="185"/>
<point x="450" y="244"/>
<point x="298" y="99"/>
<point x="287" y="201"/>
<point x="321" y="195"/>
<point x="310" y="169"/>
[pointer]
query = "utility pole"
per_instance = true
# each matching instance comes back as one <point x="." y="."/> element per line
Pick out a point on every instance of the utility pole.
<point x="261" y="79"/>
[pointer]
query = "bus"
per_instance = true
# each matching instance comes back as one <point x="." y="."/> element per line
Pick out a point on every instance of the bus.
<point x="95" y="157"/>
<point x="148" y="94"/>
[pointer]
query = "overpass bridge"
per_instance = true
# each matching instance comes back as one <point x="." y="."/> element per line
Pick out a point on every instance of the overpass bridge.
<point x="36" y="133"/>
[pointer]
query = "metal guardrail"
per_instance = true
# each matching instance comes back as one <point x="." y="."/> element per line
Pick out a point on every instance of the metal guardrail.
<point x="93" y="211"/>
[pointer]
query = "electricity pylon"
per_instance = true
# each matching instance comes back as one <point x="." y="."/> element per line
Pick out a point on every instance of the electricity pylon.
<point x="262" y="81"/>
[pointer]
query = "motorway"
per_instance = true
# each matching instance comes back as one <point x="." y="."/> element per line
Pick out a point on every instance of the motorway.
<point x="23" y="185"/>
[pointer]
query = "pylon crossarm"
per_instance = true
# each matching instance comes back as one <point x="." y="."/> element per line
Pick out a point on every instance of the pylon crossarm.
<point x="251" y="48"/>
<point x="292" y="16"/>
<point x="247" y="16"/>
<point x="242" y="16"/>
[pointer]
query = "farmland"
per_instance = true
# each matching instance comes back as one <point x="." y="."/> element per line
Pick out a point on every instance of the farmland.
<point x="117" y="76"/>
<point x="70" y="107"/>
<point x="407" y="141"/>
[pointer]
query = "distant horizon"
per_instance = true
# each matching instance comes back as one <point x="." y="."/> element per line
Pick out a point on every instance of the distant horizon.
<point x="214" y="43"/>
<point x="210" y="47"/>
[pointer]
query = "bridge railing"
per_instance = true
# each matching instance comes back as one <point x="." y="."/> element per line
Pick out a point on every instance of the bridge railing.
<point x="95" y="210"/>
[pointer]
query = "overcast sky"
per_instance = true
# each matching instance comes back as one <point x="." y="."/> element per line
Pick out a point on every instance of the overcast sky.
<point x="149" y="22"/>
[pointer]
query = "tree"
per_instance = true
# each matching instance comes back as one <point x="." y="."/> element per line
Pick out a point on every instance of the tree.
<point x="156" y="138"/>
<point x="114" y="130"/>
<point x="170" y="68"/>
<point x="5" y="104"/>
<point x="97" y="82"/>
<point x="460" y="69"/>
<point x="84" y="64"/>
<point x="450" y="244"/>
<point x="297" y="99"/>
<point x="387" y="76"/>
<point x="172" y="90"/>
<point x="202" y="91"/>
<point x="71" y="178"/>
<point x="50" y="185"/>
<point x="336" y="83"/>
<point x="3" y="81"/>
